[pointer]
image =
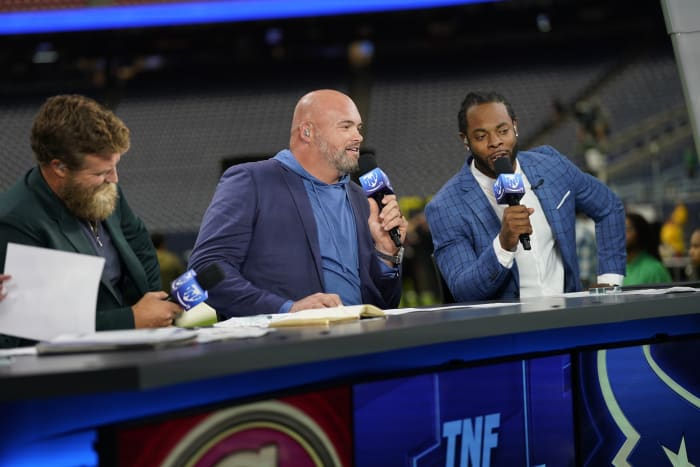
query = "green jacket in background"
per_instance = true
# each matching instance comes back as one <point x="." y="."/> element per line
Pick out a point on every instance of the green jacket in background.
<point x="31" y="214"/>
<point x="645" y="269"/>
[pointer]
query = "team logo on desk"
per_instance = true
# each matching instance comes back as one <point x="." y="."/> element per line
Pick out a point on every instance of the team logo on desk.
<point x="617" y="387"/>
<point x="270" y="433"/>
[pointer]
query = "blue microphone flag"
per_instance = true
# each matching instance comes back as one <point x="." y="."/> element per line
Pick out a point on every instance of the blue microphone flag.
<point x="190" y="289"/>
<point x="376" y="181"/>
<point x="376" y="184"/>
<point x="508" y="187"/>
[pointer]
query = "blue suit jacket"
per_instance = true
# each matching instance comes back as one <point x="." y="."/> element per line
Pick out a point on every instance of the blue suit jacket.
<point x="464" y="224"/>
<point x="260" y="229"/>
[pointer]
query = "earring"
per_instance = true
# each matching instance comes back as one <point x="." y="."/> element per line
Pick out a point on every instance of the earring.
<point x="307" y="133"/>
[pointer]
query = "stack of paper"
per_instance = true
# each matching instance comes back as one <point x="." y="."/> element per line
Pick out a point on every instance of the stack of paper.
<point x="117" y="340"/>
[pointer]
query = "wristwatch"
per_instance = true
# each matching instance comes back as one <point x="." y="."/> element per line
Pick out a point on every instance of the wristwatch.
<point x="396" y="259"/>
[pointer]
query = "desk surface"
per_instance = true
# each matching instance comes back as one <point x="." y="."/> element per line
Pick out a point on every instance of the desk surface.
<point x="431" y="338"/>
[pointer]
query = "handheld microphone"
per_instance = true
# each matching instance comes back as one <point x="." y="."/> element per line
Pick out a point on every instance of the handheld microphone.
<point x="190" y="289"/>
<point x="509" y="188"/>
<point x="375" y="184"/>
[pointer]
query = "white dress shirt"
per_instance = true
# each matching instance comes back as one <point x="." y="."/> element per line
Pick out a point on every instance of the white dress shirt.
<point x="541" y="268"/>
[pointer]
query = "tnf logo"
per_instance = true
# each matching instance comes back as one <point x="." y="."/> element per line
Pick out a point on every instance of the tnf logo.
<point x="372" y="179"/>
<point x="513" y="181"/>
<point x="477" y="437"/>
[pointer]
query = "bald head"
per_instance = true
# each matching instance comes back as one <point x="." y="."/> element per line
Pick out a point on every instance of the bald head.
<point x="325" y="134"/>
<point x="315" y="106"/>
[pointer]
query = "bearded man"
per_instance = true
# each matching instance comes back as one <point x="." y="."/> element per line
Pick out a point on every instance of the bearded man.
<point x="477" y="241"/>
<point x="71" y="201"/>
<point x="292" y="232"/>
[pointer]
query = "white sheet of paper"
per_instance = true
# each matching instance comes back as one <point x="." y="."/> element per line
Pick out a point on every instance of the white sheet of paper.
<point x="51" y="292"/>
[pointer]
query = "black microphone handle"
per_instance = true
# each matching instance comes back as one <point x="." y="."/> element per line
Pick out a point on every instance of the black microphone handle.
<point x="524" y="238"/>
<point x="394" y="232"/>
<point x="525" y="241"/>
<point x="395" y="236"/>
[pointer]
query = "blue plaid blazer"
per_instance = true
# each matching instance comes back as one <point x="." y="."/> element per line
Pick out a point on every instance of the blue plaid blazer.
<point x="463" y="225"/>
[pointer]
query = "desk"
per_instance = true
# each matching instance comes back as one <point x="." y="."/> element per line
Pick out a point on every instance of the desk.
<point x="44" y="398"/>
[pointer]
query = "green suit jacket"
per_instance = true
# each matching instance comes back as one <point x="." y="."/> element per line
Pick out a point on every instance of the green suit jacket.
<point x="31" y="214"/>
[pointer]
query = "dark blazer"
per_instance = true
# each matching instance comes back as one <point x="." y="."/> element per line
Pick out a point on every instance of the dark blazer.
<point x="31" y="214"/>
<point x="464" y="224"/>
<point x="260" y="229"/>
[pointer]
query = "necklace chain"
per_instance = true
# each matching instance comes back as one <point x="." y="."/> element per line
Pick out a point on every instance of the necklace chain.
<point x="95" y="229"/>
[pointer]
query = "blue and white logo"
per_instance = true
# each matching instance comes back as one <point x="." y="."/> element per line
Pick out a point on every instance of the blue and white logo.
<point x="508" y="184"/>
<point x="375" y="180"/>
<point x="187" y="290"/>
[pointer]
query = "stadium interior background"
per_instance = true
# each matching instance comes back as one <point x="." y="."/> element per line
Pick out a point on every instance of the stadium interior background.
<point x="597" y="79"/>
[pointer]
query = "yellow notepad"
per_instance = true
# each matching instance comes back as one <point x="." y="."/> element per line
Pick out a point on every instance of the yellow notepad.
<point x="325" y="316"/>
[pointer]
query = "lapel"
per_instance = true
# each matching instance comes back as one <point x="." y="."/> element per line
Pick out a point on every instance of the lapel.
<point x="484" y="214"/>
<point x="478" y="203"/>
<point x="534" y="173"/>
<point x="549" y="193"/>
<point x="306" y="215"/>
<point x="72" y="230"/>
<point x="68" y="225"/>
<point x="130" y="261"/>
<point x="361" y="225"/>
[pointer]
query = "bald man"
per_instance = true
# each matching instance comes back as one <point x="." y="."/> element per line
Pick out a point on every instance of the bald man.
<point x="292" y="232"/>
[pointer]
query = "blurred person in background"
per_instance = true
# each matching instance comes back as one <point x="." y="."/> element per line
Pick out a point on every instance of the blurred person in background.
<point x="693" y="269"/>
<point x="644" y="265"/>
<point x="171" y="266"/>
<point x="292" y="232"/>
<point x="477" y="240"/>
<point x="690" y="158"/>
<point x="418" y="268"/>
<point x="673" y="232"/>
<point x="586" y="249"/>
<point x="71" y="201"/>
<point x="592" y="132"/>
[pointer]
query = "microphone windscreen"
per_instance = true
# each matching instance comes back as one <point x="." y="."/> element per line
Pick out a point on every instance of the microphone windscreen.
<point x="366" y="162"/>
<point x="502" y="165"/>
<point x="209" y="276"/>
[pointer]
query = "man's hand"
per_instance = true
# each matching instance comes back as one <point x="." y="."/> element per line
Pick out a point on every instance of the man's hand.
<point x="317" y="300"/>
<point x="381" y="222"/>
<point x="516" y="221"/>
<point x="154" y="311"/>
<point x="3" y="278"/>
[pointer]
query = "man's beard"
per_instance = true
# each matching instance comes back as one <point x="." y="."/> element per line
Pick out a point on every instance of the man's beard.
<point x="482" y="165"/>
<point x="338" y="158"/>
<point x="96" y="203"/>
